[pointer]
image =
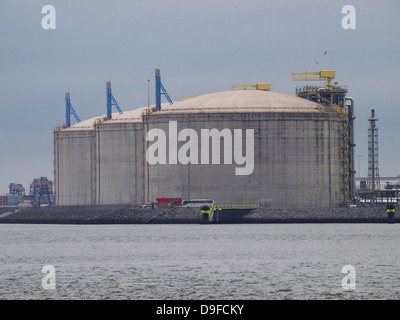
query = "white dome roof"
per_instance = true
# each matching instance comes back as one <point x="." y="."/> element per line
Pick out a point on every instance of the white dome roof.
<point x="219" y="102"/>
<point x="246" y="100"/>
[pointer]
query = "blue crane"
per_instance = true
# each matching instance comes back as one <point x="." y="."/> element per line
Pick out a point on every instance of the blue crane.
<point x="69" y="110"/>
<point x="111" y="101"/>
<point x="160" y="90"/>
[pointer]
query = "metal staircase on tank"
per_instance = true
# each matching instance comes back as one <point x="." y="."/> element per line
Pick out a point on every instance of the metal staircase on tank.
<point x="333" y="97"/>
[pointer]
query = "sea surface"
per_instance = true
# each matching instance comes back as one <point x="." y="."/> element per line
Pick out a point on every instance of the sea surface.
<point x="238" y="261"/>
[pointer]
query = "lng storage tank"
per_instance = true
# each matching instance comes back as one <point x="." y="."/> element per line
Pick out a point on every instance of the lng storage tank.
<point x="234" y="147"/>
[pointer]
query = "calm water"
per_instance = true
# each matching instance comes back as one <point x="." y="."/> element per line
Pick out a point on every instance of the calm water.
<point x="263" y="261"/>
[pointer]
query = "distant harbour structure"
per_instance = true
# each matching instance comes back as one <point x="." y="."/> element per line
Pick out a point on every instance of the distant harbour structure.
<point x="373" y="180"/>
<point x="374" y="190"/>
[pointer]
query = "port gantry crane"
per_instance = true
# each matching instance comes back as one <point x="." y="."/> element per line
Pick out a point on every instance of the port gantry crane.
<point x="17" y="189"/>
<point x="39" y="189"/>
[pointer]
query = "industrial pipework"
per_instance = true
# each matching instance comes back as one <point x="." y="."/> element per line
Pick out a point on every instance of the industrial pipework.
<point x="352" y="145"/>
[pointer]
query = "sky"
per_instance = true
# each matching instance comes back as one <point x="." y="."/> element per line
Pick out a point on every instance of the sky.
<point x="200" y="47"/>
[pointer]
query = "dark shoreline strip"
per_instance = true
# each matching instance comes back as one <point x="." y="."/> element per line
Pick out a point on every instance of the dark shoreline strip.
<point x="173" y="215"/>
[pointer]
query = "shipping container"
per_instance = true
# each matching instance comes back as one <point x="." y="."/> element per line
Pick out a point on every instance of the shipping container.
<point x="3" y="200"/>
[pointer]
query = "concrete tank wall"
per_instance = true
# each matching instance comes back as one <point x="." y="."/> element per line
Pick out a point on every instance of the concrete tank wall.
<point x="297" y="161"/>
<point x="119" y="166"/>
<point x="73" y="157"/>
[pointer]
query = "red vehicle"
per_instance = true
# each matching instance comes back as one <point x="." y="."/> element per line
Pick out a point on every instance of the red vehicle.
<point x="169" y="201"/>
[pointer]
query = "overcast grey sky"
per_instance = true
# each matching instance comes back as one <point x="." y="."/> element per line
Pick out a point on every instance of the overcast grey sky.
<point x="201" y="47"/>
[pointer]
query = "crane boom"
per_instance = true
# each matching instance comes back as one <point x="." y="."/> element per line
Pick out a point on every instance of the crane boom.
<point x="323" y="75"/>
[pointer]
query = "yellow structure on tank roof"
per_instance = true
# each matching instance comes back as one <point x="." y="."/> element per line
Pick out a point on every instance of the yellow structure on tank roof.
<point x="258" y="86"/>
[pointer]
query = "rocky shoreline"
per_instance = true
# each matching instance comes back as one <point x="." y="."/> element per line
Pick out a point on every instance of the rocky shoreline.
<point x="320" y="215"/>
<point x="176" y="215"/>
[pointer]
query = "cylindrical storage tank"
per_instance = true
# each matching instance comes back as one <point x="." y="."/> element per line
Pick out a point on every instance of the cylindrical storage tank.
<point x="100" y="161"/>
<point x="248" y="147"/>
<point x="73" y="162"/>
<point x="234" y="147"/>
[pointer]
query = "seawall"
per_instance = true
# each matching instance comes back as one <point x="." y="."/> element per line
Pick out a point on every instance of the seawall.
<point x="129" y="215"/>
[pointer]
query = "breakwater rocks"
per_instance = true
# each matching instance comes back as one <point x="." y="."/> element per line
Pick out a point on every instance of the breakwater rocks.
<point x="101" y="215"/>
<point x="319" y="215"/>
<point x="130" y="215"/>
